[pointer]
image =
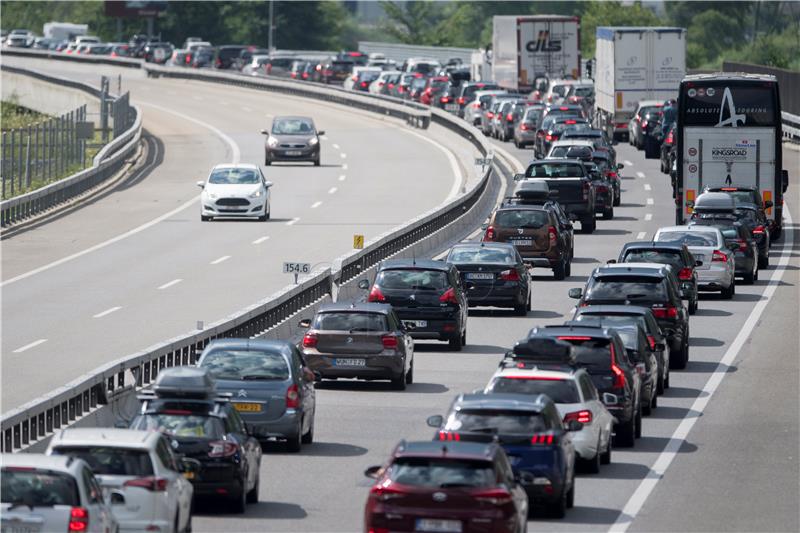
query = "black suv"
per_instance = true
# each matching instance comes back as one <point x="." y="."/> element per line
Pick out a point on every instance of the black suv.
<point x="428" y="296"/>
<point x="642" y="284"/>
<point x="570" y="185"/>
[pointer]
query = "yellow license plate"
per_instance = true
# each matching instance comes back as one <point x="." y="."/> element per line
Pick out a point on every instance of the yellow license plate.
<point x="188" y="475"/>
<point x="247" y="407"/>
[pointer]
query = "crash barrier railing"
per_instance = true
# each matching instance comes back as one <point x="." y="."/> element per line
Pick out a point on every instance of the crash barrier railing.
<point x="791" y="127"/>
<point x="273" y="317"/>
<point x="127" y="129"/>
<point x="61" y="56"/>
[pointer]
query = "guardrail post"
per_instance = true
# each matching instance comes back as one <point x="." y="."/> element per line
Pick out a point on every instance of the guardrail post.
<point x="28" y="159"/>
<point x="3" y="166"/>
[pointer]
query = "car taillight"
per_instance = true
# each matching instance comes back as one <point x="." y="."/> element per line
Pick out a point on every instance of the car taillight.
<point x="509" y="117"/>
<point x="449" y="296"/>
<point x="669" y="138"/>
<point x="644" y="124"/>
<point x="652" y="341"/>
<point x="523" y="127"/>
<point x="78" y="519"/>
<point x="389" y="342"/>
<point x="619" y="377"/>
<point x="383" y="493"/>
<point x="493" y="496"/>
<point x="293" y="75"/>
<point x="476" y="105"/>
<point x="489" y="114"/>
<point x="375" y="295"/>
<point x="542" y="440"/>
<point x="584" y="416"/>
<point x="444" y="99"/>
<point x="364" y="84"/>
<point x="310" y="340"/>
<point x="759" y="230"/>
<point x="292" y="397"/>
<point x="602" y="188"/>
<point x="154" y="484"/>
<point x="509" y="275"/>
<point x="611" y="174"/>
<point x="461" y="100"/>
<point x="665" y="312"/>
<point x="489" y="235"/>
<point x="718" y="256"/>
<point x="305" y="75"/>
<point x="449" y="435"/>
<point x="551" y="231"/>
<point x="327" y="73"/>
<point x="391" y="85"/>
<point x="548" y="137"/>
<point x="586" y="188"/>
<point x="685" y="273"/>
<point x="742" y="243"/>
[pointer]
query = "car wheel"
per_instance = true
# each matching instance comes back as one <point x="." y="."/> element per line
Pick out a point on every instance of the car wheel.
<point x="456" y="343"/>
<point x="646" y="409"/>
<point x="763" y="261"/>
<point x="316" y="162"/>
<point x="608" y="214"/>
<point x="617" y="199"/>
<point x="654" y="402"/>
<point x="568" y="268"/>
<point x="293" y="442"/>
<point x="239" y="503"/>
<point x="252" y="496"/>
<point x="558" y="509"/>
<point x="693" y="306"/>
<point x="593" y="465"/>
<point x="308" y="436"/>
<point x="516" y="143"/>
<point x="626" y="433"/>
<point x="559" y="271"/>
<point x="521" y="309"/>
<point x="605" y="457"/>
<point x="204" y="218"/>
<point x="660" y="383"/>
<point x="749" y="278"/>
<point x="666" y="379"/>
<point x="588" y="225"/>
<point x="410" y="373"/>
<point x="730" y="291"/>
<point x="263" y="218"/>
<point x="639" y="423"/>
<point x="399" y="382"/>
<point x="267" y="161"/>
<point x="681" y="356"/>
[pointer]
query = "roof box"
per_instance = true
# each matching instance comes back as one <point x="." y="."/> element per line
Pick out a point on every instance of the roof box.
<point x="714" y="202"/>
<point x="544" y="350"/>
<point x="533" y="190"/>
<point x="185" y="382"/>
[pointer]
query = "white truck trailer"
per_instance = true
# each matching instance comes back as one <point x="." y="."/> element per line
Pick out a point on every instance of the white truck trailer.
<point x="64" y="31"/>
<point x="634" y="64"/>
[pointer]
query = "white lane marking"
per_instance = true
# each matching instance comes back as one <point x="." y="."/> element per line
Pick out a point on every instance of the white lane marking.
<point x="236" y="155"/>
<point x="641" y="235"/>
<point x="261" y="239"/>
<point x="648" y="216"/>
<point x="293" y="221"/>
<point x="169" y="284"/>
<point x="108" y="311"/>
<point x="343" y="155"/>
<point x="344" y="166"/>
<point x="220" y="259"/>
<point x="458" y="177"/>
<point x="29" y="346"/>
<point x="628" y="163"/>
<point x="650" y="201"/>
<point x="640" y="174"/>
<point x="342" y="177"/>
<point x="647" y="187"/>
<point x="670" y="451"/>
<point x="332" y="190"/>
<point x="336" y="146"/>
<point x="316" y="204"/>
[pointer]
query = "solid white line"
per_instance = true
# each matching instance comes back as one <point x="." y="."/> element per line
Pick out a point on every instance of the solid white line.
<point x="107" y="312"/>
<point x="344" y="166"/>
<point x="343" y="155"/>
<point x="170" y="284"/>
<point x="647" y="187"/>
<point x="293" y="221"/>
<point x="316" y="204"/>
<point x="336" y="146"/>
<point x="665" y="458"/>
<point x="648" y="216"/>
<point x="332" y="190"/>
<point x="641" y="235"/>
<point x="220" y="259"/>
<point x="650" y="201"/>
<point x="628" y="163"/>
<point x="236" y="155"/>
<point x="458" y="177"/>
<point x="29" y="346"/>
<point x="261" y="239"/>
<point x="639" y="174"/>
<point x="342" y="177"/>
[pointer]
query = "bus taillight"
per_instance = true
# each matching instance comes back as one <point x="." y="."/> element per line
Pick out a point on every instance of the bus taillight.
<point x="767" y="197"/>
<point x="690" y="195"/>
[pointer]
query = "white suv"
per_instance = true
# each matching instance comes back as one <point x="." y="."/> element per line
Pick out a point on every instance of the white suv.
<point x="576" y="398"/>
<point x="138" y="472"/>
<point x="41" y="493"/>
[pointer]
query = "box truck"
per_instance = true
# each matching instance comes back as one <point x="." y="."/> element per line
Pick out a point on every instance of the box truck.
<point x="634" y="64"/>
<point x="64" y="31"/>
<point x="527" y="50"/>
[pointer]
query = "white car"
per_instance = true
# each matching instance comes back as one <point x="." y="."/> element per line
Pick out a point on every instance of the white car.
<point x="576" y="398"/>
<point x="235" y="191"/>
<point x="42" y="493"/>
<point x="138" y="473"/>
<point x="376" y="86"/>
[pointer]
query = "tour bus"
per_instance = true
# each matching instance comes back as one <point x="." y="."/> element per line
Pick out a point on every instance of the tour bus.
<point x="729" y="136"/>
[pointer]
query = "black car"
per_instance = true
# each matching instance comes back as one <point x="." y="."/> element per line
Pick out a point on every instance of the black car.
<point x="203" y="425"/>
<point x="633" y="314"/>
<point x="202" y="57"/>
<point x="603" y="189"/>
<point x="228" y="56"/>
<point x="599" y="138"/>
<point x="601" y="352"/>
<point x="738" y="238"/>
<point x="759" y="225"/>
<point x="610" y="171"/>
<point x="428" y="296"/>
<point x="550" y="131"/>
<point x="677" y="255"/>
<point x="157" y="52"/>
<point x="497" y="275"/>
<point x="336" y="71"/>
<point x="641" y="284"/>
<point x="530" y="430"/>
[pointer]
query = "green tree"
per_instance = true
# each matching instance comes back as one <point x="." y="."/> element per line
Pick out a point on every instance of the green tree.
<point x="412" y="22"/>
<point x="710" y="33"/>
<point x="611" y="14"/>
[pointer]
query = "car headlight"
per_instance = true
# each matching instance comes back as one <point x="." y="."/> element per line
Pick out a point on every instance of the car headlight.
<point x="256" y="194"/>
<point x="272" y="142"/>
<point x="313" y="141"/>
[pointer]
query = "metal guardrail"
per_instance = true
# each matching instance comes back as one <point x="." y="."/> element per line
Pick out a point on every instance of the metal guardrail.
<point x="40" y="417"/>
<point x="791" y="127"/>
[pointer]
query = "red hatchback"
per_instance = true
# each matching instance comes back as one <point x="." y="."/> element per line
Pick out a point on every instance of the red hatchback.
<point x="450" y="487"/>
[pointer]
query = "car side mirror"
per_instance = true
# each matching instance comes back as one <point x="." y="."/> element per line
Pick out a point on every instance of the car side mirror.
<point x="519" y="177"/>
<point x="264" y="132"/>
<point x="574" y="425"/>
<point x="268" y="184"/>
<point x="321" y="132"/>
<point x="768" y="204"/>
<point x="116" y="497"/>
<point x="435" y="421"/>
<point x="611" y="262"/>
<point x="610" y="399"/>
<point x="620" y="166"/>
<point x="305" y="323"/>
<point x="363" y="284"/>
<point x="201" y="184"/>
<point x="698" y="263"/>
<point x="660" y="346"/>
<point x="575" y="293"/>
<point x="373" y="471"/>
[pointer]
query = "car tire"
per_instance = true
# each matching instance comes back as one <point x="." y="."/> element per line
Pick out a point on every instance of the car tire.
<point x="660" y="383"/>
<point x="308" y="436"/>
<point x="293" y="442"/>
<point x="638" y="417"/>
<point x="239" y="503"/>
<point x="571" y="494"/>
<point x="618" y="199"/>
<point x="625" y="436"/>
<point x="588" y="225"/>
<point x="605" y="457"/>
<point x="728" y="293"/>
<point x="252" y="495"/>
<point x="558" y="509"/>
<point x="267" y="161"/>
<point x="399" y="382"/>
<point x="456" y="343"/>
<point x="666" y="379"/>
<point x="592" y="466"/>
<point x="608" y="214"/>
<point x="763" y="261"/>
<point x="693" y="306"/>
<point x="654" y="401"/>
<point x="646" y="409"/>
<point x="568" y="268"/>
<point x="749" y="278"/>
<point x="681" y="356"/>
<point x="516" y="143"/>
<point x="560" y="270"/>
<point x="521" y="309"/>
<point x="317" y="162"/>
<point x="410" y="373"/>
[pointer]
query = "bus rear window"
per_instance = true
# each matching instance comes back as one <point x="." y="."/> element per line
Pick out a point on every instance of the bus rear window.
<point x="721" y="103"/>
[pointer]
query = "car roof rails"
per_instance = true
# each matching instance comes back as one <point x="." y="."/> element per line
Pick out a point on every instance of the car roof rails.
<point x="543" y="350"/>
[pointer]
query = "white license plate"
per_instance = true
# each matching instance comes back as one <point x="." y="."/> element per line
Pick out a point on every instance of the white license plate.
<point x="350" y="362"/>
<point x="417" y="323"/>
<point x="294" y="152"/>
<point x="10" y="526"/>
<point x="522" y="242"/>
<point x="480" y="275"/>
<point x="451" y="107"/>
<point x="439" y="526"/>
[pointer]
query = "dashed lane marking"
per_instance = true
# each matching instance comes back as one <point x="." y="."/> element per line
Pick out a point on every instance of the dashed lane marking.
<point x="332" y="190"/>
<point x="220" y="259"/>
<point x="316" y="204"/>
<point x="648" y="216"/>
<point x="261" y="239"/>
<point x="342" y="177"/>
<point x="30" y="345"/>
<point x="639" y="174"/>
<point x="107" y="312"/>
<point x="641" y="235"/>
<point x="293" y="221"/>
<point x="650" y="201"/>
<point x="169" y="284"/>
<point x="647" y="187"/>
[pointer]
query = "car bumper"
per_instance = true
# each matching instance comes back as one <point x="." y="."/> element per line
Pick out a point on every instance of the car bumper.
<point x="714" y="279"/>
<point x="282" y="427"/>
<point x="293" y="154"/>
<point x="744" y="265"/>
<point x="437" y="330"/>
<point x="585" y="442"/>
<point x="215" y="477"/>
<point x="144" y="525"/>
<point x="375" y="367"/>
<point x="253" y="208"/>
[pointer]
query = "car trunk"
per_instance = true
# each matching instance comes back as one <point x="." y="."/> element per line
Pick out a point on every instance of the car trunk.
<point x="567" y="190"/>
<point x="484" y="276"/>
<point x="268" y="394"/>
<point x="346" y="342"/>
<point x="140" y="503"/>
<point x="38" y="519"/>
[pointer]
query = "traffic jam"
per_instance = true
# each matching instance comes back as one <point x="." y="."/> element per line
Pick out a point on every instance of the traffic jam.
<point x="563" y="399"/>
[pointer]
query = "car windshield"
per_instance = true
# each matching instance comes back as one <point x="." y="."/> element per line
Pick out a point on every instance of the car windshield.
<point x="350" y="321"/>
<point x="246" y="365"/>
<point x="293" y="126"/>
<point x="560" y="390"/>
<point x="554" y="170"/>
<point x="665" y="257"/>
<point x="43" y="488"/>
<point x="442" y="472"/>
<point x="476" y="254"/>
<point x="180" y="424"/>
<point x="107" y="460"/>
<point x="412" y="279"/>
<point x="496" y="420"/>
<point x="689" y="238"/>
<point x="234" y="176"/>
<point x="627" y="288"/>
<point x="521" y="218"/>
<point x="533" y="115"/>
<point x="612" y="320"/>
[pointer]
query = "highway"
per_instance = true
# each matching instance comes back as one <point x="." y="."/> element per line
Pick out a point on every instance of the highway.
<point x="720" y="453"/>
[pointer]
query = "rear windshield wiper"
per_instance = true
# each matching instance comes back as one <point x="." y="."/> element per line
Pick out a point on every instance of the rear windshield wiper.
<point x="354" y="330"/>
<point x="455" y="485"/>
<point x="254" y="377"/>
<point x="423" y="288"/>
<point x="636" y="295"/>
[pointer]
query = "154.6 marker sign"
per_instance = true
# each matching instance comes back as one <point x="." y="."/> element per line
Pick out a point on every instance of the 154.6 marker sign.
<point x="296" y="268"/>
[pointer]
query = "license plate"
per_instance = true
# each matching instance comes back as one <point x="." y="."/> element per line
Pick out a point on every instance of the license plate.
<point x="451" y="107"/>
<point x="247" y="407"/>
<point x="522" y="242"/>
<point x="350" y="362"/>
<point x="440" y="526"/>
<point x="480" y="275"/>
<point x="417" y="323"/>
<point x="10" y="526"/>
<point x="294" y="152"/>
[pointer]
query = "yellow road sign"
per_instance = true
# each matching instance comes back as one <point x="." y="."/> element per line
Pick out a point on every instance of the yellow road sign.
<point x="358" y="242"/>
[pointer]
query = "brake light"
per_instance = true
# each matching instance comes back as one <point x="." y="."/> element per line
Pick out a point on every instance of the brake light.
<point x="685" y="273"/>
<point x="327" y="73"/>
<point x="310" y="340"/>
<point x="292" y="397"/>
<point x="447" y="435"/>
<point x="489" y="114"/>
<point x="389" y="342"/>
<point x="718" y="256"/>
<point x="364" y="84"/>
<point x="563" y="108"/>
<point x="383" y="492"/>
<point x="444" y="99"/>
<point x="509" y="275"/>
<point x="602" y="188"/>
<point x="509" y="117"/>
<point x="652" y="341"/>
<point x="542" y="440"/>
<point x="570" y="122"/>
<point x="524" y="127"/>
<point x="586" y="188"/>
<point x="428" y="91"/>
<point x="78" y="519"/>
<point x="758" y="230"/>
<point x="573" y="99"/>
<point x="449" y="296"/>
<point x="548" y="137"/>
<point x="391" y="85"/>
<point x="665" y="312"/>
<point x="493" y="496"/>
<point x="669" y="138"/>
<point x="619" y="375"/>
<point x="305" y="75"/>
<point x="574" y="338"/>
<point x="375" y="295"/>
<point x="460" y="100"/>
<point x="179" y="412"/>
<point x="294" y="75"/>
<point x="741" y="242"/>
<point x="489" y="235"/>
<point x="551" y="231"/>
<point x="476" y="105"/>
<point x="644" y="124"/>
<point x="584" y="416"/>
<point x="158" y="484"/>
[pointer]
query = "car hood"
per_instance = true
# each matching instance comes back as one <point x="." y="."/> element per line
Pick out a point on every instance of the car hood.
<point x="230" y="190"/>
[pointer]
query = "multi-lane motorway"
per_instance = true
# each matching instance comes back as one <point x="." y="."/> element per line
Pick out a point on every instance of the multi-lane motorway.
<point x="719" y="453"/>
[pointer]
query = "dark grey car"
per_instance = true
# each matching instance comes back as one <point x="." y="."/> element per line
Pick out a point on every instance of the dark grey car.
<point x="292" y="139"/>
<point x="359" y="340"/>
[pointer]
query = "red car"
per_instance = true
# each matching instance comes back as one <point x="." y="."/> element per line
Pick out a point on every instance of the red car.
<point x="436" y="87"/>
<point x="447" y="486"/>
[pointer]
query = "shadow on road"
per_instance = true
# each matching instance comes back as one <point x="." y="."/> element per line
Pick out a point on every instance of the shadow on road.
<point x="705" y="342"/>
<point x="380" y="386"/>
<point x="260" y="510"/>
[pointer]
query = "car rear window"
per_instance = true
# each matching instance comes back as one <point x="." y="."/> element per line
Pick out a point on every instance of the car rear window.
<point x="689" y="238"/>
<point x="502" y="421"/>
<point x="482" y="255"/>
<point x="234" y="176"/>
<point x="42" y="488"/>
<point x="412" y="279"/>
<point x="472" y="89"/>
<point x="107" y="460"/>
<point x="350" y="321"/>
<point x="664" y="257"/>
<point x="627" y="288"/>
<point x="342" y="66"/>
<point x="554" y="170"/>
<point x="229" y="53"/>
<point x="570" y="151"/>
<point x="611" y="320"/>
<point x="246" y="365"/>
<point x="181" y="424"/>
<point x="592" y="353"/>
<point x="533" y="115"/>
<point x="442" y="472"/>
<point x="583" y="91"/>
<point x="560" y="390"/>
<point x="521" y="218"/>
